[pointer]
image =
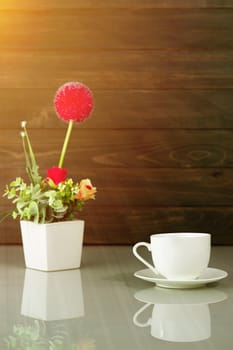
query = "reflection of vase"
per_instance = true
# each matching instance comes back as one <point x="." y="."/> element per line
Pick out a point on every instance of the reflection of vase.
<point x="178" y="316"/>
<point x="54" y="246"/>
<point x="52" y="295"/>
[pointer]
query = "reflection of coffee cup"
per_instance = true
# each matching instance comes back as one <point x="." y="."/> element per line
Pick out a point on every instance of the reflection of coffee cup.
<point x="178" y="316"/>
<point x="178" y="323"/>
<point x="52" y="295"/>
<point x="177" y="256"/>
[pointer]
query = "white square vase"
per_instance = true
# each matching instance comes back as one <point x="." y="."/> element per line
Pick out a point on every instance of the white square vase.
<point x="54" y="246"/>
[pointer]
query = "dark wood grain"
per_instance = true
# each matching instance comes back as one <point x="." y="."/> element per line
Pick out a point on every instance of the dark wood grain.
<point x="137" y="224"/>
<point x="159" y="143"/>
<point x="126" y="108"/>
<point x="131" y="187"/>
<point x="127" y="70"/>
<point x="124" y="225"/>
<point x="99" y="29"/>
<point x="51" y="4"/>
<point x="126" y="148"/>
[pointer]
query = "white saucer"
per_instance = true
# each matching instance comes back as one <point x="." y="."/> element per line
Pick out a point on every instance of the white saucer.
<point x="201" y="296"/>
<point x="209" y="276"/>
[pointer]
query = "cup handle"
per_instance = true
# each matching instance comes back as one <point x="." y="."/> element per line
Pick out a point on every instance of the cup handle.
<point x="148" y="246"/>
<point x="135" y="318"/>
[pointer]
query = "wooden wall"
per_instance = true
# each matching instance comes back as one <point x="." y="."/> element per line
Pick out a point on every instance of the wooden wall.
<point x="159" y="145"/>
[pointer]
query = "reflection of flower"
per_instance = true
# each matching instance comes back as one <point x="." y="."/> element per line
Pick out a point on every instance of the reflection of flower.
<point x="31" y="337"/>
<point x="39" y="336"/>
<point x="56" y="197"/>
<point x="87" y="344"/>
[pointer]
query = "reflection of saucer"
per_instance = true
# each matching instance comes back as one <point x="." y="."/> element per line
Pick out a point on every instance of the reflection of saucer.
<point x="160" y="296"/>
<point x="209" y="276"/>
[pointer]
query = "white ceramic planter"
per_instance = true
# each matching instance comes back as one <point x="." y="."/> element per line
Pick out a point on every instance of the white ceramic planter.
<point x="54" y="246"/>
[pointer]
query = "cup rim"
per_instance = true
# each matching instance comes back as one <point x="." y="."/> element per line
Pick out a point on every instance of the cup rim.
<point x="181" y="234"/>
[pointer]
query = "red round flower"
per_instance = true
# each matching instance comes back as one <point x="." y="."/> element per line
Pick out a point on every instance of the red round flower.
<point x="57" y="174"/>
<point x="73" y="101"/>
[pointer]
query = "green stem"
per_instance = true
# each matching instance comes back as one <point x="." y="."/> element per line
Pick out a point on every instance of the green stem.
<point x="5" y="214"/>
<point x="30" y="147"/>
<point x="66" y="141"/>
<point x="31" y="164"/>
<point x="28" y="165"/>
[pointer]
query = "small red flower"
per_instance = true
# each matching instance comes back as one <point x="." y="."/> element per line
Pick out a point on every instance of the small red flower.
<point x="73" y="101"/>
<point x="57" y="174"/>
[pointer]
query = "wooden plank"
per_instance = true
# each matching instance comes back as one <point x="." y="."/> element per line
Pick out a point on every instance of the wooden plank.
<point x="169" y="66"/>
<point x="128" y="226"/>
<point x="137" y="109"/>
<point x="48" y="4"/>
<point x="10" y="232"/>
<point x="124" y="225"/>
<point x="130" y="187"/>
<point x="126" y="70"/>
<point x="180" y="148"/>
<point x="99" y="29"/>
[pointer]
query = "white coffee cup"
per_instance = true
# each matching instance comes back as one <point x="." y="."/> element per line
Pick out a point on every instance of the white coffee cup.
<point x="177" y="256"/>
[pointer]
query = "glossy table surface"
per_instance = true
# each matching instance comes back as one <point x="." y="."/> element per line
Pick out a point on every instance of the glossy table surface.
<point x="103" y="305"/>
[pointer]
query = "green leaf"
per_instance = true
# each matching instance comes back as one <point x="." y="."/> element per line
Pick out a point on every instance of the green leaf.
<point x="14" y="214"/>
<point x="34" y="211"/>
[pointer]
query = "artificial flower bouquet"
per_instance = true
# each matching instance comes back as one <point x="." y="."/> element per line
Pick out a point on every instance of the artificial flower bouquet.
<point x="55" y="197"/>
